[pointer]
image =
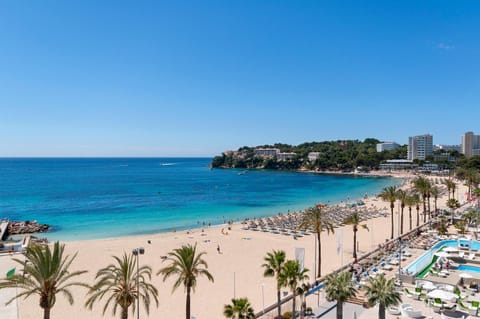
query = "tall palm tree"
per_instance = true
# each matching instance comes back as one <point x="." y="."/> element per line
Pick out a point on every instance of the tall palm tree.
<point x="355" y="221"/>
<point x="422" y="186"/>
<point x="416" y="199"/>
<point x="389" y="194"/>
<point x="402" y="196"/>
<point x="315" y="218"/>
<point x="273" y="265"/>
<point x="118" y="284"/>
<point x="435" y="192"/>
<point x="186" y="264"/>
<point x="450" y="184"/>
<point x="240" y="308"/>
<point x="339" y="287"/>
<point x="410" y="202"/>
<point x="292" y="276"/>
<point x="45" y="273"/>
<point x="382" y="291"/>
<point x="471" y="178"/>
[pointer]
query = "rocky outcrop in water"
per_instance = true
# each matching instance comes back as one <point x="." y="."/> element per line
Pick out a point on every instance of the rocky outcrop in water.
<point x="27" y="227"/>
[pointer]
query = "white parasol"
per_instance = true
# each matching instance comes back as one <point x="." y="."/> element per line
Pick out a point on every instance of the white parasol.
<point x="450" y="249"/>
<point x="442" y="294"/>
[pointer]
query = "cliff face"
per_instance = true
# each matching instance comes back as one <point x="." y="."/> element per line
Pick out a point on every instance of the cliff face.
<point x="26" y="227"/>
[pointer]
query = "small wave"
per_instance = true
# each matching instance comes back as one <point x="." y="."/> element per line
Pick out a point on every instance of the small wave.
<point x="167" y="164"/>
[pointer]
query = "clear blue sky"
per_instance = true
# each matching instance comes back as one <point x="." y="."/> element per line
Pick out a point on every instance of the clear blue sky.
<point x="194" y="78"/>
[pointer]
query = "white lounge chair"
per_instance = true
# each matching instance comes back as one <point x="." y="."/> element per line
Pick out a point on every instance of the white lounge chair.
<point x="408" y="311"/>
<point x="471" y="256"/>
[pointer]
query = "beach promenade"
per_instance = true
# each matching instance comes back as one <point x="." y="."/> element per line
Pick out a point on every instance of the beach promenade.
<point x="236" y="268"/>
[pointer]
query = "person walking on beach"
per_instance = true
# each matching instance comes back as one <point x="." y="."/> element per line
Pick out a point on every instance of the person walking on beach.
<point x="218" y="249"/>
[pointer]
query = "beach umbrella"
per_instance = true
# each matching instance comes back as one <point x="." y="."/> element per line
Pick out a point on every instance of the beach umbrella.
<point x="428" y="285"/>
<point x="451" y="249"/>
<point x="442" y="294"/>
<point x="465" y="275"/>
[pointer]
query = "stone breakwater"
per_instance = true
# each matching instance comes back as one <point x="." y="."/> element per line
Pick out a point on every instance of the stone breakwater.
<point x="26" y="227"/>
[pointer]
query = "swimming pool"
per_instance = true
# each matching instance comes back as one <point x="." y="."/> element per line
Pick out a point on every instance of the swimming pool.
<point x="421" y="262"/>
<point x="469" y="268"/>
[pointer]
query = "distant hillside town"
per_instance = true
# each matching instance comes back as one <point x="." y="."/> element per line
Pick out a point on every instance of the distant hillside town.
<point x="420" y="154"/>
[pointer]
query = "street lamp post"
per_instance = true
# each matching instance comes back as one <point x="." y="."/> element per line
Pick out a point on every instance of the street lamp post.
<point x="137" y="252"/>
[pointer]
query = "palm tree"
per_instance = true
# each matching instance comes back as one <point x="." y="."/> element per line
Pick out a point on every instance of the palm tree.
<point x="450" y="187"/>
<point x="389" y="194"/>
<point x="422" y="186"/>
<point x="292" y="276"/>
<point x="435" y="192"/>
<point x="471" y="178"/>
<point x="45" y="273"/>
<point x="339" y="287"/>
<point x="382" y="291"/>
<point x="453" y="204"/>
<point x="187" y="265"/>
<point x="240" y="308"/>
<point x="402" y="197"/>
<point x="355" y="221"/>
<point x="410" y="202"/>
<point x="273" y="265"/>
<point x="118" y="284"/>
<point x="316" y="219"/>
<point x="416" y="199"/>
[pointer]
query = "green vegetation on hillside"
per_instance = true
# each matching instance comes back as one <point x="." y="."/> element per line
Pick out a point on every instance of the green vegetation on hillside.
<point x="333" y="155"/>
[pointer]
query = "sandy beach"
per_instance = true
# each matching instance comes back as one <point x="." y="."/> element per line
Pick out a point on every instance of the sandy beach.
<point x="236" y="269"/>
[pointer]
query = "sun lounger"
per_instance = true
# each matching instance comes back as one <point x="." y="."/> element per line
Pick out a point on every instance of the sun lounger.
<point x="386" y="267"/>
<point x="408" y="311"/>
<point x="471" y="256"/>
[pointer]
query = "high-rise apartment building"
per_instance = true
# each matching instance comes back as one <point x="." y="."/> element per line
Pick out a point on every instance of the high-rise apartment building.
<point x="470" y="144"/>
<point x="420" y="146"/>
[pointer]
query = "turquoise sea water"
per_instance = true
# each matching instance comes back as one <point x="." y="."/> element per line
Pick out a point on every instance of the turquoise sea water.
<point x="110" y="197"/>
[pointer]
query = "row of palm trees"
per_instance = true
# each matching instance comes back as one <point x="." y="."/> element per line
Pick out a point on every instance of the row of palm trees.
<point x="338" y="286"/>
<point x="422" y="192"/>
<point x="379" y="290"/>
<point x="287" y="273"/>
<point x="46" y="274"/>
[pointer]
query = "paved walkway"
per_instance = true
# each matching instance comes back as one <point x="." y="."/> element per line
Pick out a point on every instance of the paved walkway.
<point x="10" y="311"/>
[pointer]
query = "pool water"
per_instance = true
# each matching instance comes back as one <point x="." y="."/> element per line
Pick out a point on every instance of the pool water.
<point x="425" y="259"/>
<point x="469" y="268"/>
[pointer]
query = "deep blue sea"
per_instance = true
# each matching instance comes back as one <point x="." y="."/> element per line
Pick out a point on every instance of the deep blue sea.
<point x="111" y="197"/>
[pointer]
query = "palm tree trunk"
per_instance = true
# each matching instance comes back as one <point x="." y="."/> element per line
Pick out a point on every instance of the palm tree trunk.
<point x="418" y="216"/>
<point x="391" y="208"/>
<point x="187" y="304"/>
<point x="435" y="203"/>
<point x="355" y="245"/>
<point x="293" y="304"/>
<point x="339" y="310"/>
<point x="401" y="221"/>
<point x="302" y="308"/>
<point x="429" y="211"/>
<point x="410" y="216"/>
<point x="424" y="209"/>
<point x="279" y="306"/>
<point x="319" y="258"/>
<point x="46" y="313"/>
<point x="381" y="312"/>
<point x="124" y="313"/>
